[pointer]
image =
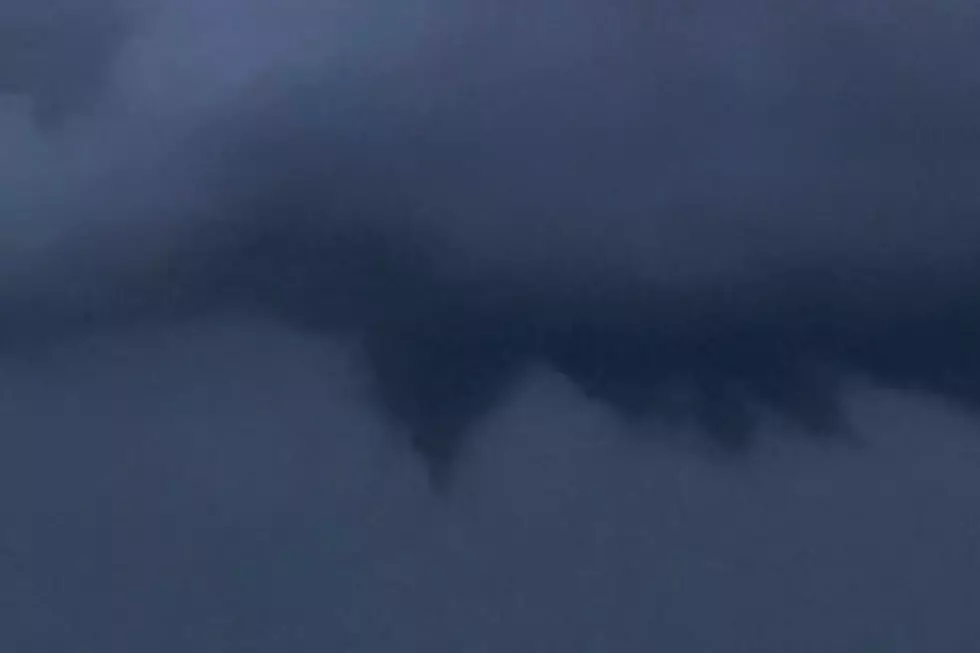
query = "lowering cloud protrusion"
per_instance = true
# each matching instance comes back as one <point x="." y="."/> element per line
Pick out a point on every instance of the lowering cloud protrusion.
<point x="719" y="219"/>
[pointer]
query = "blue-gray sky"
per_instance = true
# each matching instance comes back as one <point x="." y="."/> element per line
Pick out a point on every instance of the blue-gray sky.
<point x="266" y="263"/>
<point x="212" y="489"/>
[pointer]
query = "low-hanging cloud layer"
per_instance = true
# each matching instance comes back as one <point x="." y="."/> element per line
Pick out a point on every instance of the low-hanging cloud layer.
<point x="700" y="213"/>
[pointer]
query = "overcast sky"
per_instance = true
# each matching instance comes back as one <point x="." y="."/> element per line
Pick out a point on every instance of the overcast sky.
<point x="450" y="326"/>
<point x="224" y="488"/>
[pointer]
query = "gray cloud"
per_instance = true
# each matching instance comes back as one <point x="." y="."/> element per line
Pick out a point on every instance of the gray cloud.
<point x="709" y="217"/>
<point x="60" y="53"/>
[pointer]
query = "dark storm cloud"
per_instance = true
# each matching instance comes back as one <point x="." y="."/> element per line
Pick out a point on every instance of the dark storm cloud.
<point x="713" y="218"/>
